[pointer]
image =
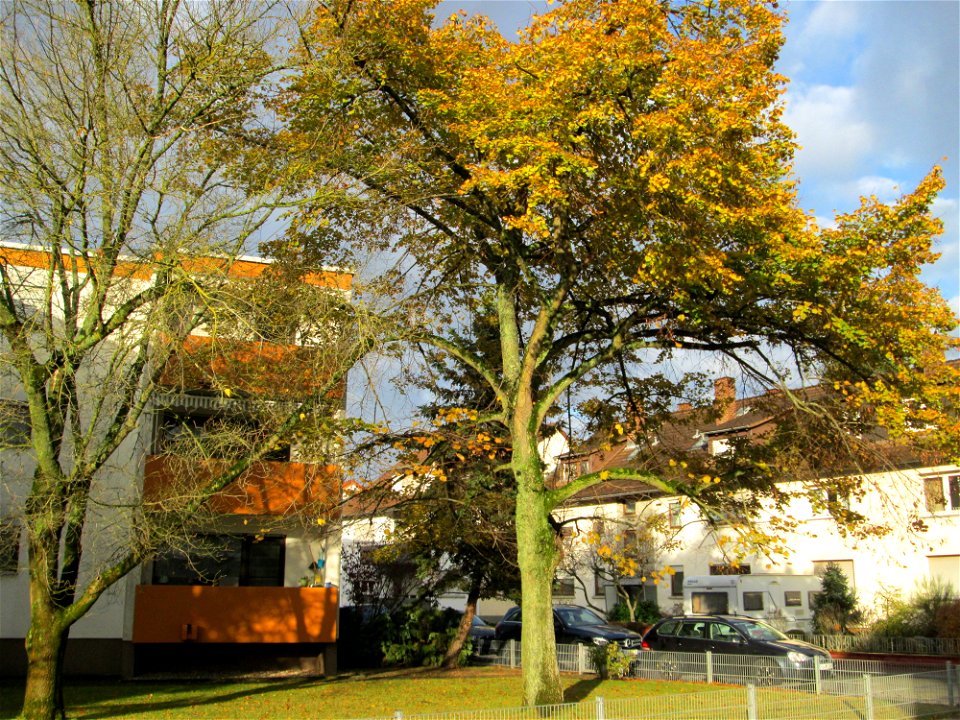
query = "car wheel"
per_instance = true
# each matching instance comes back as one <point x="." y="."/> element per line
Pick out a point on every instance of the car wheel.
<point x="767" y="672"/>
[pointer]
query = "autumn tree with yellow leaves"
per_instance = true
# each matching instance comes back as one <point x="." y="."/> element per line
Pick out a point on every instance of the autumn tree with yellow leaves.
<point x="619" y="179"/>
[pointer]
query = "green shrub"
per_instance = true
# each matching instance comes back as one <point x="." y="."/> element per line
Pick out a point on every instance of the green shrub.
<point x="932" y="611"/>
<point x="420" y="635"/>
<point x="835" y="606"/>
<point x="610" y="661"/>
<point x="647" y="612"/>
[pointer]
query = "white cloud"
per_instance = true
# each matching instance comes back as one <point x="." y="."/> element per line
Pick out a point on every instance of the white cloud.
<point x="831" y="20"/>
<point x="833" y="138"/>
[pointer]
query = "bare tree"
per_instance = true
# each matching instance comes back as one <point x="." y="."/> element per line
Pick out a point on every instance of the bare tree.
<point x="125" y="201"/>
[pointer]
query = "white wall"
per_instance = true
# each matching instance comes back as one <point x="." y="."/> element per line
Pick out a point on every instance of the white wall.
<point x="897" y="560"/>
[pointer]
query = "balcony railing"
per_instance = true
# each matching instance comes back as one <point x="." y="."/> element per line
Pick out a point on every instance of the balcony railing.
<point x="202" y="614"/>
<point x="260" y="369"/>
<point x="267" y="488"/>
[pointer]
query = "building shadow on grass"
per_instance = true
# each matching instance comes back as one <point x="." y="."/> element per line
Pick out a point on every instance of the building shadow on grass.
<point x="141" y="699"/>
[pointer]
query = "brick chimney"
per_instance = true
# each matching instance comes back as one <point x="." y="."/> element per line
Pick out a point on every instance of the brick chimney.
<point x="725" y="399"/>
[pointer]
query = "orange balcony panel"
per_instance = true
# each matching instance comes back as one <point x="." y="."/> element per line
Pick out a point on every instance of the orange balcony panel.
<point x="267" y="488"/>
<point x="173" y="614"/>
<point x="257" y="368"/>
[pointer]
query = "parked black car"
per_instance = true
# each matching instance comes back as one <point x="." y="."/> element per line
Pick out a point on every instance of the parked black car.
<point x="777" y="656"/>
<point x="482" y="635"/>
<point x="572" y="625"/>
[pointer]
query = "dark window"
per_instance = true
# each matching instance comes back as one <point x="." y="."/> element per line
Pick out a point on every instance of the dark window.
<point x="9" y="546"/>
<point x="953" y="491"/>
<point x="693" y="630"/>
<point x="669" y="628"/>
<point x="598" y="584"/>
<point x="792" y="598"/>
<point x="729" y="569"/>
<point x="676" y="583"/>
<point x="752" y="601"/>
<point x="811" y="597"/>
<point x="710" y="603"/>
<point x="563" y="587"/>
<point x="14" y="424"/>
<point x="225" y="560"/>
<point x="212" y="436"/>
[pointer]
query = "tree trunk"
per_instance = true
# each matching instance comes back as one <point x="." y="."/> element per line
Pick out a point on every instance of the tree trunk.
<point x="537" y="556"/>
<point x="451" y="658"/>
<point x="45" y="645"/>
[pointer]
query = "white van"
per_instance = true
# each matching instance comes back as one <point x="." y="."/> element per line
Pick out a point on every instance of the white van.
<point x="781" y="600"/>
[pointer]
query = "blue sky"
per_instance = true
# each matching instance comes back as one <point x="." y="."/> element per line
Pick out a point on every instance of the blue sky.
<point x="874" y="98"/>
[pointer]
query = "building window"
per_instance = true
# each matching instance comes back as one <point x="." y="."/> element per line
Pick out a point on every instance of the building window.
<point x="710" y="603"/>
<point x="14" y="424"/>
<point x="846" y="567"/>
<point x="598" y="585"/>
<point x="792" y="598"/>
<point x="946" y="569"/>
<point x="676" y="582"/>
<point x="729" y="569"/>
<point x="676" y="512"/>
<point x="752" y="601"/>
<point x="9" y="546"/>
<point x="245" y="560"/>
<point x="833" y="497"/>
<point x="942" y="493"/>
<point x="563" y="587"/>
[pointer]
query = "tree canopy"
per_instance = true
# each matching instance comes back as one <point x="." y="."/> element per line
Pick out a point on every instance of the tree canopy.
<point x="619" y="180"/>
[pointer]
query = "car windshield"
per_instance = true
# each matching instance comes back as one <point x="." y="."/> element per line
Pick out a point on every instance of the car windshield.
<point x="478" y="621"/>
<point x="579" y="616"/>
<point x="759" y="631"/>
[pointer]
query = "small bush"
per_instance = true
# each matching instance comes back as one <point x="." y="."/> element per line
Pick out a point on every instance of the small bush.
<point x="610" y="661"/>
<point x="932" y="611"/>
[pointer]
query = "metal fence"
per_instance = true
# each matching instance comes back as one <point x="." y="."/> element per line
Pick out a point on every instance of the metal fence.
<point x="844" y="688"/>
<point x="880" y="698"/>
<point x="889" y="645"/>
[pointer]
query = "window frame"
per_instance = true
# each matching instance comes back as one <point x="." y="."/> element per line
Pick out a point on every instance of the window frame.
<point x="15" y="428"/>
<point x="676" y="582"/>
<point x="675" y="514"/>
<point x="941" y="493"/>
<point x="11" y="534"/>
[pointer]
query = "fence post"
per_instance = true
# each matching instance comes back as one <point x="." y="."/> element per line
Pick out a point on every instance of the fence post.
<point x="513" y="652"/>
<point x="817" y="678"/>
<point x="752" y="713"/>
<point x="868" y="697"/>
<point x="599" y="707"/>
<point x="951" y="685"/>
<point x="709" y="655"/>
<point x="582" y="660"/>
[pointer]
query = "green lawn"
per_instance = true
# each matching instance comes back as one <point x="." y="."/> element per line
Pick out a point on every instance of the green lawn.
<point x="381" y="694"/>
<point x="349" y="696"/>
